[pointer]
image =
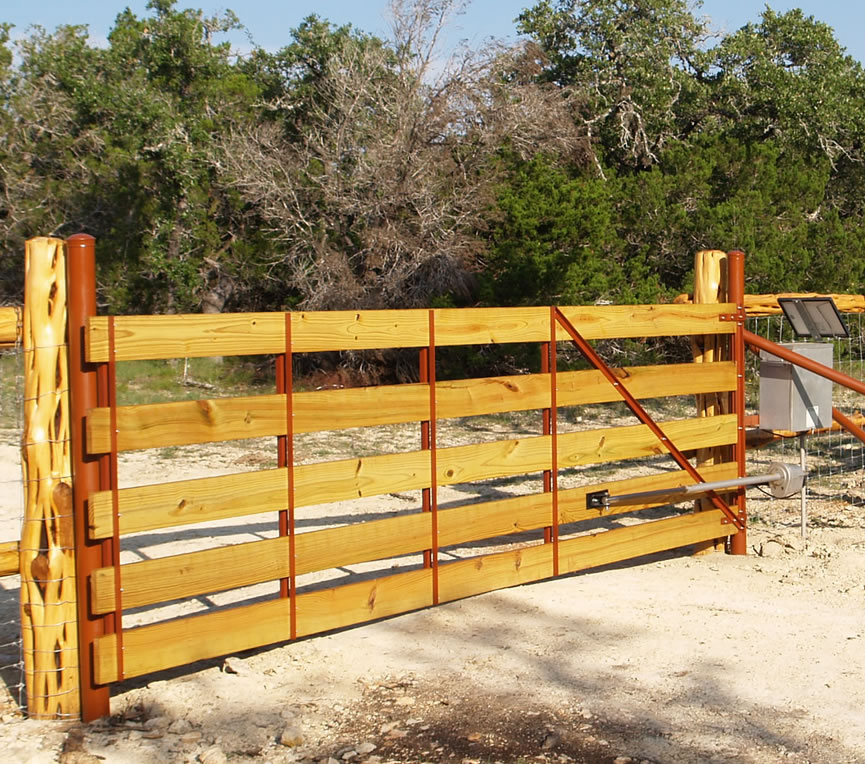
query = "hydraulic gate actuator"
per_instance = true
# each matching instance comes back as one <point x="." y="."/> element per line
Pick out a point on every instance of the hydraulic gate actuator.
<point x="783" y="481"/>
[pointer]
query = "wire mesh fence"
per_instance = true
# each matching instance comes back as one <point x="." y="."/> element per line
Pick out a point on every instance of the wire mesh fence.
<point x="835" y="458"/>
<point x="11" y="517"/>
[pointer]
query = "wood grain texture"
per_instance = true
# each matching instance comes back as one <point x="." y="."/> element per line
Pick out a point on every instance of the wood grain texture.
<point x="585" y="552"/>
<point x="47" y="554"/>
<point x="230" y="567"/>
<point x="184" y="640"/>
<point x="166" y="505"/>
<point x="188" y="336"/>
<point x="183" y="423"/>
<point x="10" y="327"/>
<point x="487" y="573"/>
<point x="217" y="498"/>
<point x="767" y="304"/>
<point x="207" y="571"/>
<point x="9" y="563"/>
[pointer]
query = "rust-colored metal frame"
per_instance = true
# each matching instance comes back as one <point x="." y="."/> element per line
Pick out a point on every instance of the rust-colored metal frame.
<point x="285" y="459"/>
<point x="429" y="496"/>
<point x="83" y="393"/>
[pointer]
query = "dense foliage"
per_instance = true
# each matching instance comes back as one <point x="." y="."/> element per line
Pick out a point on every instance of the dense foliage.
<point x="587" y="163"/>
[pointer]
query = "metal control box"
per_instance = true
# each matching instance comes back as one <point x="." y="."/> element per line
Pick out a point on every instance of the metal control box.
<point x="792" y="398"/>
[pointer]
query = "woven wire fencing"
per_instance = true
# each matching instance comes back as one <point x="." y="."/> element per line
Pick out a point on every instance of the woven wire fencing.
<point x="11" y="517"/>
<point x="835" y="459"/>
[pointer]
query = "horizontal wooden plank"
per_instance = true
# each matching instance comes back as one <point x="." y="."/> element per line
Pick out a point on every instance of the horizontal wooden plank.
<point x="767" y="304"/>
<point x="9" y="561"/>
<point x="486" y="573"/>
<point x="10" y="326"/>
<point x="359" y="330"/>
<point x="230" y="567"/>
<point x="600" y="322"/>
<point x="188" y="336"/>
<point x="212" y="570"/>
<point x="621" y="443"/>
<point x="184" y="640"/>
<point x="363" y="601"/>
<point x="191" y="501"/>
<point x="165" y="505"/>
<point x="584" y="552"/>
<point x="183" y="423"/>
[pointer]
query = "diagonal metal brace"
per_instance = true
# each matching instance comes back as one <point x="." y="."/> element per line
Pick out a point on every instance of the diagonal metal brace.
<point x="593" y="358"/>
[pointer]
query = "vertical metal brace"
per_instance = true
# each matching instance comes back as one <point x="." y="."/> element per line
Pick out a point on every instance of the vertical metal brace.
<point x="433" y="490"/>
<point x="554" y="441"/>
<point x="736" y="294"/>
<point x="285" y="459"/>
<point x="592" y="357"/>
<point x="108" y="467"/>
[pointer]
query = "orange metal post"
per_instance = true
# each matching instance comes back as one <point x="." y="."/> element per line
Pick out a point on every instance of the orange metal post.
<point x="81" y="277"/>
<point x="736" y="294"/>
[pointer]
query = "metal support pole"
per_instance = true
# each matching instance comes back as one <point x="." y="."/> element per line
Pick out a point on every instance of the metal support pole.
<point x="81" y="275"/>
<point x="803" y="496"/>
<point x="736" y="295"/>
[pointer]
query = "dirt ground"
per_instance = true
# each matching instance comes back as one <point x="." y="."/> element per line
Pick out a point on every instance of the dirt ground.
<point x="673" y="658"/>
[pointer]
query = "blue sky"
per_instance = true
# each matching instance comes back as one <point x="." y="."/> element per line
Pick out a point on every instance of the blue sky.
<point x="269" y="21"/>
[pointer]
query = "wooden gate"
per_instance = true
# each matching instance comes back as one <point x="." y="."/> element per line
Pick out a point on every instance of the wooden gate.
<point x="106" y="512"/>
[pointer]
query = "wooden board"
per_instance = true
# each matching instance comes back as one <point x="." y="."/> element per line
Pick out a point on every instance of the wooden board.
<point x="585" y="552"/>
<point x="188" y="336"/>
<point x="183" y="423"/>
<point x="238" y="565"/>
<point x="619" y="443"/>
<point x="165" y="505"/>
<point x="192" y="501"/>
<point x="10" y="326"/>
<point x="185" y="640"/>
<point x="9" y="565"/>
<point x="489" y="572"/>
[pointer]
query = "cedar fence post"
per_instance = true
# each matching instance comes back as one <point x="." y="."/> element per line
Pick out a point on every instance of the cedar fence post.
<point x="710" y="288"/>
<point x="81" y="270"/>
<point x="47" y="554"/>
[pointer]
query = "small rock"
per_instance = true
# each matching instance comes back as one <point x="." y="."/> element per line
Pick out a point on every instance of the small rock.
<point x="330" y="760"/>
<point x="179" y="727"/>
<point x="397" y="734"/>
<point x="191" y="737"/>
<point x="390" y="726"/>
<point x="213" y="755"/>
<point x="551" y="740"/>
<point x="772" y="548"/>
<point x="474" y="737"/>
<point x="406" y="700"/>
<point x="623" y="760"/>
<point x="235" y="665"/>
<point x="349" y="755"/>
<point x="153" y="734"/>
<point x="157" y="723"/>
<point x="365" y="748"/>
<point x="291" y="736"/>
<point x="586" y="714"/>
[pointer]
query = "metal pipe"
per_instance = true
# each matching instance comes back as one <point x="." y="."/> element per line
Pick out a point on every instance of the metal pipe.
<point x="785" y="477"/>
<point x="81" y="291"/>
<point x="736" y="294"/>
<point x="806" y="363"/>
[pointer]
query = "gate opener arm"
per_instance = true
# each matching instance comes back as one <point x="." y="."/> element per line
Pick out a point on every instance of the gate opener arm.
<point x="783" y="481"/>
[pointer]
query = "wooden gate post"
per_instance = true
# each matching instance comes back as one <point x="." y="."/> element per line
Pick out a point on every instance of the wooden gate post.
<point x="710" y="288"/>
<point x="81" y="270"/>
<point x="47" y="554"/>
